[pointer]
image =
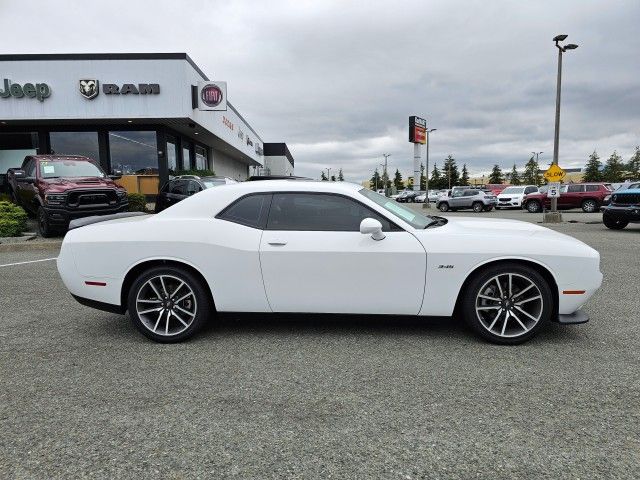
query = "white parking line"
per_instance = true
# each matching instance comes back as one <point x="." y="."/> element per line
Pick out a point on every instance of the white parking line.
<point x="30" y="261"/>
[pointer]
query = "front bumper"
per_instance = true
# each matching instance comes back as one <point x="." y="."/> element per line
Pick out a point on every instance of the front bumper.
<point x="60" y="217"/>
<point x="629" y="213"/>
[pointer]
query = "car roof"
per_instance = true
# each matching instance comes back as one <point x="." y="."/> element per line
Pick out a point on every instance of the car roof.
<point x="56" y="158"/>
<point x="629" y="190"/>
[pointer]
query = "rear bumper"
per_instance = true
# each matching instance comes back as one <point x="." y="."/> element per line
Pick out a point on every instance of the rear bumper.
<point x="60" y="217"/>
<point x="105" y="307"/>
<point x="627" y="214"/>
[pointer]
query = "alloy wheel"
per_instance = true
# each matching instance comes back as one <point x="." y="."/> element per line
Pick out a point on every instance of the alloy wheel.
<point x="166" y="305"/>
<point x="589" y="206"/>
<point x="509" y="305"/>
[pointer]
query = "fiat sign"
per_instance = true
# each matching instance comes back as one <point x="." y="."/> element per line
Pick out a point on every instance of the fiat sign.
<point x="212" y="96"/>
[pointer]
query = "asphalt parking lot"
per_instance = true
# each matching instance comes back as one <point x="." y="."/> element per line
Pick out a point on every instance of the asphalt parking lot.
<point x="83" y="395"/>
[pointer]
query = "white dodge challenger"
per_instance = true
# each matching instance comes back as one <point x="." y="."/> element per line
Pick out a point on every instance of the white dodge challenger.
<point x="324" y="247"/>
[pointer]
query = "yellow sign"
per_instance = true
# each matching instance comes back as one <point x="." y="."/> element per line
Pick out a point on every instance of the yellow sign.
<point x="554" y="174"/>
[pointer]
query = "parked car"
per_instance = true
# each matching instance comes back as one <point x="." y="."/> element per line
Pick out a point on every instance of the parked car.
<point x="434" y="195"/>
<point x="511" y="197"/>
<point x="421" y="198"/>
<point x="408" y="196"/>
<point x="623" y="209"/>
<point x="588" y="196"/>
<point x="476" y="199"/>
<point x="619" y="187"/>
<point x="59" y="188"/>
<point x="181" y="187"/>
<point x="246" y="247"/>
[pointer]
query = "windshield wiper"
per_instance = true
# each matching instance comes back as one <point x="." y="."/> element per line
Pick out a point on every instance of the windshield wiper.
<point x="437" y="221"/>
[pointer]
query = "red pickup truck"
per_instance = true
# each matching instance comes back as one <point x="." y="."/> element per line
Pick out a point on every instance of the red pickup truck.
<point x="59" y="188"/>
<point x="588" y="196"/>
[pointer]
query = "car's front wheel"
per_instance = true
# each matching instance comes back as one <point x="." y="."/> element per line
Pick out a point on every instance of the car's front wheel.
<point x="44" y="227"/>
<point x="589" y="206"/>
<point x="507" y="303"/>
<point x="168" y="304"/>
<point x="533" y="206"/>
<point x="614" y="223"/>
<point x="443" y="207"/>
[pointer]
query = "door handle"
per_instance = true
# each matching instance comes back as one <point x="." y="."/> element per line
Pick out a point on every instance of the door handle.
<point x="277" y="243"/>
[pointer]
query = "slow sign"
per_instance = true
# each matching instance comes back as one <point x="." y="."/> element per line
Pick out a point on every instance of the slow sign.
<point x="554" y="173"/>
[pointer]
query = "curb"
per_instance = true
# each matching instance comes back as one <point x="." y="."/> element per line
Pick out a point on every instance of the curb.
<point x="29" y="246"/>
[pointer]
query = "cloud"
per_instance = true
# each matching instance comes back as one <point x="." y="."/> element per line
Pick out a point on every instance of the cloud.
<point x="337" y="80"/>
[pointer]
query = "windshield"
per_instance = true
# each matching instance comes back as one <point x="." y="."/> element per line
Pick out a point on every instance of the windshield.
<point x="410" y="216"/>
<point x="69" y="168"/>
<point x="513" y="190"/>
<point x="209" y="182"/>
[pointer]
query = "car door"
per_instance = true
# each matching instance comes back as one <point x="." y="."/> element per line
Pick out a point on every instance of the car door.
<point x="573" y="197"/>
<point x="457" y="200"/>
<point x="26" y="191"/>
<point x="314" y="259"/>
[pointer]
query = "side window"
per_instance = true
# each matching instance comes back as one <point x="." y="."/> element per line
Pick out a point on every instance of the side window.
<point x="30" y="168"/>
<point x="575" y="188"/>
<point x="320" y="212"/>
<point x="178" y="187"/>
<point x="471" y="193"/>
<point x="592" y="188"/>
<point x="529" y="190"/>
<point x="250" y="210"/>
<point x="193" y="188"/>
<point x="458" y="193"/>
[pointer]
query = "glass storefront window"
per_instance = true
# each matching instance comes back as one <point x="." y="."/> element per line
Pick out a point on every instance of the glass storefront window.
<point x="13" y="148"/>
<point x="186" y="156"/>
<point x="201" y="158"/>
<point x="75" y="143"/>
<point x="134" y="152"/>
<point x="172" y="154"/>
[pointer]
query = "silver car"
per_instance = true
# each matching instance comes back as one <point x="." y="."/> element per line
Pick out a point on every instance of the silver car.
<point x="475" y="199"/>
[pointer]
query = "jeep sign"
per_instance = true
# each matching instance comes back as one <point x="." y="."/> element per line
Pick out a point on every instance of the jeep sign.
<point x="29" y="90"/>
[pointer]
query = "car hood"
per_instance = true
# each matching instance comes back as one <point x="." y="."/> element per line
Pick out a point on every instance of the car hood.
<point x="510" y="195"/>
<point x="54" y="185"/>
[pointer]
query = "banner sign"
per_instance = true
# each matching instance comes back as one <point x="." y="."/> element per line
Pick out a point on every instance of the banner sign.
<point x="212" y="96"/>
<point x="417" y="130"/>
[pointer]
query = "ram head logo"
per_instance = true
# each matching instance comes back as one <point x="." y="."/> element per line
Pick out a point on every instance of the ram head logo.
<point x="89" y="89"/>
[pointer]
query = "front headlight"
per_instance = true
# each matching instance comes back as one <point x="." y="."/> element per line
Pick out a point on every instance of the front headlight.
<point x="55" y="198"/>
<point x="121" y="194"/>
<point x="607" y="198"/>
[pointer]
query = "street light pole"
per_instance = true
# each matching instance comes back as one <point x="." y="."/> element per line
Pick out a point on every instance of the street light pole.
<point x="385" y="177"/>
<point x="554" y="216"/>
<point x="426" y="172"/>
<point x="328" y="174"/>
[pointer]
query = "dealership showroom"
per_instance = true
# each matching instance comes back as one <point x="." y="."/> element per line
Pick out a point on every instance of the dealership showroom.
<point x="141" y="115"/>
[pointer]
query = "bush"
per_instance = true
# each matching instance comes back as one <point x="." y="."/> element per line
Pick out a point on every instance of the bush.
<point x="137" y="202"/>
<point x="13" y="220"/>
<point x="197" y="173"/>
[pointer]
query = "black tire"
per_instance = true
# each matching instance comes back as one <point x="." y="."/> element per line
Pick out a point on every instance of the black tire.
<point x="479" y="281"/>
<point x="533" y="206"/>
<point x="614" y="223"/>
<point x="443" y="206"/>
<point x="488" y="208"/>
<point x="200" y="292"/>
<point x="477" y="207"/>
<point x="44" y="228"/>
<point x="589" y="206"/>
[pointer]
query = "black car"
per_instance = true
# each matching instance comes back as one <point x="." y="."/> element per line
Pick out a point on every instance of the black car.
<point x="623" y="209"/>
<point x="408" y="196"/>
<point x="179" y="188"/>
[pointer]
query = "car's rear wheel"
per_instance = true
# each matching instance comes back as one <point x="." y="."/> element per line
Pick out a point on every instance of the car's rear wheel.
<point x="614" y="223"/>
<point x="533" y="206"/>
<point x="507" y="303"/>
<point x="168" y="304"/>
<point x="443" y="207"/>
<point x="589" y="206"/>
<point x="477" y="207"/>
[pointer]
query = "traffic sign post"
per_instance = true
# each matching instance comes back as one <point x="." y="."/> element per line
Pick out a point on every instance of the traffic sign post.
<point x="554" y="175"/>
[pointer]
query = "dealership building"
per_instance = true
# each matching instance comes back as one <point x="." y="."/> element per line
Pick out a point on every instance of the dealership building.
<point x="147" y="116"/>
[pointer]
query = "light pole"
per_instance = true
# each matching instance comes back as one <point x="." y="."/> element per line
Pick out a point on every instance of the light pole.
<point x="328" y="174"/>
<point x="538" y="165"/>
<point x="426" y="172"/>
<point x="385" y="178"/>
<point x="554" y="216"/>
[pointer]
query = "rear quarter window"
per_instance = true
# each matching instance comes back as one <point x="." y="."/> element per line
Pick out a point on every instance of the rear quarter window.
<point x="250" y="210"/>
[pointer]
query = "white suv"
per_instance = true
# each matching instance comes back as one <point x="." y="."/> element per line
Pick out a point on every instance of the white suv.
<point x="511" y="197"/>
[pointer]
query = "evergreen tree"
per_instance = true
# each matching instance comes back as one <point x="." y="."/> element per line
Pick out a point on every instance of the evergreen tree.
<point x="450" y="172"/>
<point x="464" y="178"/>
<point x="435" y="179"/>
<point x="614" y="169"/>
<point x="496" y="175"/>
<point x="376" y="181"/>
<point x="633" y="167"/>
<point x="340" y="176"/>
<point x="323" y="176"/>
<point x="397" y="180"/>
<point x="532" y="174"/>
<point x="592" y="171"/>
<point x="514" y="177"/>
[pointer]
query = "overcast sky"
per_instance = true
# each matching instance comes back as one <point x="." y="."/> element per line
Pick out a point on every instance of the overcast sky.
<point x="337" y="81"/>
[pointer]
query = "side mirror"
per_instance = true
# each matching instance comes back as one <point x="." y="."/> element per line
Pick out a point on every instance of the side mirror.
<point x="371" y="226"/>
<point x="115" y="174"/>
